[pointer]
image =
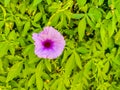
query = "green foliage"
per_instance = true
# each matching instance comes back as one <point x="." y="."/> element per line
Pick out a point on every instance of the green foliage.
<point x="91" y="58"/>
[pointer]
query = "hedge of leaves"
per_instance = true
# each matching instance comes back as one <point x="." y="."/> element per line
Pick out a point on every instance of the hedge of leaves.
<point x="91" y="58"/>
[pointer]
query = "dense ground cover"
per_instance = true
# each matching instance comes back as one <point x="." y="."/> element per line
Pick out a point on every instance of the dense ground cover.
<point x="91" y="57"/>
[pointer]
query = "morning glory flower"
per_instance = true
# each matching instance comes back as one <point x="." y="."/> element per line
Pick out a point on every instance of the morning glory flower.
<point x="49" y="43"/>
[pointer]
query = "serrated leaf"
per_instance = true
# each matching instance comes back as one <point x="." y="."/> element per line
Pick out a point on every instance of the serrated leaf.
<point x="81" y="28"/>
<point x="14" y="71"/>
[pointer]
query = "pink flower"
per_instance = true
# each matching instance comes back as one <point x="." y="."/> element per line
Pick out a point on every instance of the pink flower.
<point x="49" y="43"/>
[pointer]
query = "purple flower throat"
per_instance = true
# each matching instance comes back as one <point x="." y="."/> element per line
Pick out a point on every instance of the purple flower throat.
<point x="48" y="44"/>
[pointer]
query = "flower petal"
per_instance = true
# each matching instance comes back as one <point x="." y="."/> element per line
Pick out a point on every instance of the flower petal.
<point x="51" y="36"/>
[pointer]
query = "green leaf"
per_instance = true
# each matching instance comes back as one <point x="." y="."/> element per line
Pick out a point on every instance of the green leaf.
<point x="12" y="48"/>
<point x="109" y="15"/>
<point x="49" y="1"/>
<point x="102" y="33"/>
<point x="95" y="14"/>
<point x="81" y="2"/>
<point x="38" y="73"/>
<point x="1" y="66"/>
<point x="1" y="24"/>
<point x="65" y="55"/>
<point x="3" y="48"/>
<point x="88" y="67"/>
<point x="75" y="79"/>
<point x="36" y="2"/>
<point x="61" y="85"/>
<point x="91" y="23"/>
<point x="46" y="76"/>
<point x="77" y="16"/>
<point x="37" y="17"/>
<point x="117" y="15"/>
<point x="14" y="71"/>
<point x="31" y="80"/>
<point x="117" y="5"/>
<point x="6" y="2"/>
<point x="7" y="30"/>
<point x="69" y="32"/>
<point x="69" y="66"/>
<point x="66" y="82"/>
<point x="27" y="49"/>
<point x="101" y="2"/>
<point x="117" y="37"/>
<point x="48" y="65"/>
<point x="2" y="79"/>
<point x="54" y="84"/>
<point x="113" y="26"/>
<point x="54" y="7"/>
<point x="26" y="28"/>
<point x="77" y="60"/>
<point x="68" y="15"/>
<point x="106" y="67"/>
<point x="117" y="60"/>
<point x="12" y="35"/>
<point x="54" y="19"/>
<point x="81" y="28"/>
<point x="82" y="50"/>
<point x="35" y="24"/>
<point x="23" y="7"/>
